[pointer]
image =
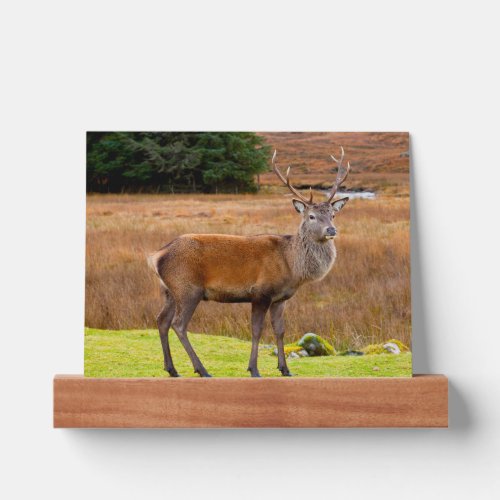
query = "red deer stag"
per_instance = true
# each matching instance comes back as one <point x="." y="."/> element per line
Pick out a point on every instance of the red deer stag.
<point x="265" y="270"/>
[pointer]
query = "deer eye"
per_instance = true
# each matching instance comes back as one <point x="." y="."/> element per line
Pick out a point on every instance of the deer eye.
<point x="311" y="217"/>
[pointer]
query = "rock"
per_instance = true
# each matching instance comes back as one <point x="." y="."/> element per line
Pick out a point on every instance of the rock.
<point x="265" y="346"/>
<point x="350" y="352"/>
<point x="289" y="349"/>
<point x="315" y="345"/>
<point x="374" y="349"/>
<point x="376" y="369"/>
<point x="402" y="347"/>
<point x="309" y="345"/>
<point x="392" y="348"/>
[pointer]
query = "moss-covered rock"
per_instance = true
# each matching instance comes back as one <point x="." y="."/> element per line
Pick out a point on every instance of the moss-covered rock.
<point x="292" y="348"/>
<point x="315" y="345"/>
<point x="289" y="348"/>
<point x="309" y="345"/>
<point x="385" y="347"/>
<point x="351" y="352"/>
<point x="402" y="347"/>
<point x="374" y="349"/>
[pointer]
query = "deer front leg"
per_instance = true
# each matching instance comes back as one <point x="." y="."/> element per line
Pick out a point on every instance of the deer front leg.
<point x="278" y="323"/>
<point x="259" y="311"/>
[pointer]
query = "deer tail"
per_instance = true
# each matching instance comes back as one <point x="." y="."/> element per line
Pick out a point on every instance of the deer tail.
<point x="152" y="260"/>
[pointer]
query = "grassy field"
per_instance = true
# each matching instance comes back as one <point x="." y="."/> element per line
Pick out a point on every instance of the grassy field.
<point x="137" y="353"/>
<point x="365" y="299"/>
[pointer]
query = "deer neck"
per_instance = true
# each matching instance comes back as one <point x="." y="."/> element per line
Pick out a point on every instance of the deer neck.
<point x="312" y="259"/>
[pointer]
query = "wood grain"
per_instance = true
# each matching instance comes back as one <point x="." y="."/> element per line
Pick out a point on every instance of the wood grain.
<point x="419" y="401"/>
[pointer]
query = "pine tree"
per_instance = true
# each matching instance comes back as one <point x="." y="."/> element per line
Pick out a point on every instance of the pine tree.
<point x="186" y="161"/>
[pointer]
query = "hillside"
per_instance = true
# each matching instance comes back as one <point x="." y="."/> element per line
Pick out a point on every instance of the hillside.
<point x="379" y="160"/>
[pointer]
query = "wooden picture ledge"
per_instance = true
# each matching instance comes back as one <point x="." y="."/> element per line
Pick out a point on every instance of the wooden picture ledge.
<point x="419" y="401"/>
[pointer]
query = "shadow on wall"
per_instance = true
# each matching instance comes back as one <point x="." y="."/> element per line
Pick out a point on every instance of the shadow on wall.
<point x="459" y="414"/>
<point x="98" y="442"/>
<point x="420" y="321"/>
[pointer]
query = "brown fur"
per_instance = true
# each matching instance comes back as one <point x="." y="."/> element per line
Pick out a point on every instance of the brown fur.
<point x="227" y="268"/>
<point x="265" y="270"/>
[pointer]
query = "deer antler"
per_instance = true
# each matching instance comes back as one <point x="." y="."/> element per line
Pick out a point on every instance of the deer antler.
<point x="341" y="175"/>
<point x="286" y="181"/>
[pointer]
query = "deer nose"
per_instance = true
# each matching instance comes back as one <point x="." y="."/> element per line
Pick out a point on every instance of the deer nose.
<point x="331" y="231"/>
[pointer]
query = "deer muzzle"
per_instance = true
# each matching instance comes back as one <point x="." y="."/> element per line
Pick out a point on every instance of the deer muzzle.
<point x="330" y="233"/>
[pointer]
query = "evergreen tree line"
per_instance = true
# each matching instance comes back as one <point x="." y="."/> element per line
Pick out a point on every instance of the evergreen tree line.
<point x="207" y="162"/>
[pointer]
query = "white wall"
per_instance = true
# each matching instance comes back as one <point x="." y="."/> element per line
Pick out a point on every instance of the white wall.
<point x="430" y="68"/>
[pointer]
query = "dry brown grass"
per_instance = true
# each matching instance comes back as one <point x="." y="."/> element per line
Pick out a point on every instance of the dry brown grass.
<point x="365" y="298"/>
<point x="379" y="159"/>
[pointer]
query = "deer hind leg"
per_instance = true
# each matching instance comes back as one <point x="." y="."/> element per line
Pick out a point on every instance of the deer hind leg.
<point x="164" y="321"/>
<point x="259" y="311"/>
<point x="278" y="324"/>
<point x="184" y="309"/>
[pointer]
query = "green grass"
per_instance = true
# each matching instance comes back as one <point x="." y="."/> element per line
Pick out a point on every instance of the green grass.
<point x="137" y="353"/>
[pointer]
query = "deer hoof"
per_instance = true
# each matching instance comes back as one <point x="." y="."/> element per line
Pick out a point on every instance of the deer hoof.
<point x="172" y="372"/>
<point x="254" y="373"/>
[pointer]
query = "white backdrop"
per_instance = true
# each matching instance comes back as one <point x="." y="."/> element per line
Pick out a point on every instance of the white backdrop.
<point x="430" y="68"/>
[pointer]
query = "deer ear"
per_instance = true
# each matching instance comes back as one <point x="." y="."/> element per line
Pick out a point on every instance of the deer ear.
<point x="337" y="205"/>
<point x="299" y="206"/>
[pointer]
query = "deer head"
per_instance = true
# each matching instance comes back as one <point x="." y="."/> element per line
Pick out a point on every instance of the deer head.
<point x="317" y="218"/>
